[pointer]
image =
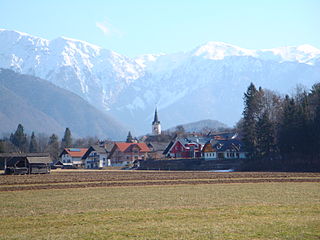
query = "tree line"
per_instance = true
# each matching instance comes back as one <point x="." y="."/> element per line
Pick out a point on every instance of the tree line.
<point x="21" y="142"/>
<point x="281" y="133"/>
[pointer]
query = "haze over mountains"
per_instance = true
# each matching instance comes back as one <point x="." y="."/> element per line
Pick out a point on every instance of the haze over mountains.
<point x="207" y="82"/>
<point x="45" y="108"/>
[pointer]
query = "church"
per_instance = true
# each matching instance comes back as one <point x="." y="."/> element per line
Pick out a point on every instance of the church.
<point x="156" y="127"/>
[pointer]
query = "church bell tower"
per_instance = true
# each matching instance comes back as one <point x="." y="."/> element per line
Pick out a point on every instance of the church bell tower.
<point x="156" y="127"/>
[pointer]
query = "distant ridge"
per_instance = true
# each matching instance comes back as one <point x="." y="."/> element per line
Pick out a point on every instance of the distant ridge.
<point x="45" y="108"/>
<point x="206" y="82"/>
<point x="199" y="126"/>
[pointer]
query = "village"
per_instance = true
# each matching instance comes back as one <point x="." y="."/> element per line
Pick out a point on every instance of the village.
<point x="183" y="152"/>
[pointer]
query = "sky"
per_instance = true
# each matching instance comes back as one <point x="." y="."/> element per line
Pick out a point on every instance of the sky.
<point x="135" y="27"/>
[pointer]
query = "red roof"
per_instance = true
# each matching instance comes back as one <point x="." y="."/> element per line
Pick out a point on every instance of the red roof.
<point x="76" y="152"/>
<point x="123" y="146"/>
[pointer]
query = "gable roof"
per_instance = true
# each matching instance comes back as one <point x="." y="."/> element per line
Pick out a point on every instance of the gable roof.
<point x="11" y="161"/>
<point x="157" y="146"/>
<point x="74" y="152"/>
<point x="108" y="146"/>
<point x="57" y="163"/>
<point x="45" y="160"/>
<point x="123" y="146"/>
<point x="96" y="148"/>
<point x="185" y="141"/>
<point x="165" y="152"/>
<point x="233" y="145"/>
<point x="12" y="158"/>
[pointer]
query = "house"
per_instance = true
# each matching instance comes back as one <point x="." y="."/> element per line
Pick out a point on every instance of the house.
<point x="96" y="157"/>
<point x="223" y="149"/>
<point x="156" y="149"/>
<point x="72" y="157"/>
<point x="31" y="163"/>
<point x="186" y="147"/>
<point x="124" y="153"/>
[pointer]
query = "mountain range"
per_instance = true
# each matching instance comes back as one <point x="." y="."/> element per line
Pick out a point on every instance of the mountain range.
<point x="207" y="82"/>
<point x="43" y="107"/>
<point x="200" y="126"/>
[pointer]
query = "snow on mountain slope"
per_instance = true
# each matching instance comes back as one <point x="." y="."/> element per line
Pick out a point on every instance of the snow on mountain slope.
<point x="302" y="54"/>
<point x="205" y="83"/>
<point x="220" y="50"/>
<point x="96" y="74"/>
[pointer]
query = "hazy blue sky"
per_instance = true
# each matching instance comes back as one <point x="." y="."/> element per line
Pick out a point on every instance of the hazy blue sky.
<point x="136" y="27"/>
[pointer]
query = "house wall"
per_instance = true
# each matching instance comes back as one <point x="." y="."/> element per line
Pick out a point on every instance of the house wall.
<point x="66" y="159"/>
<point x="225" y="155"/>
<point x="119" y="158"/>
<point x="97" y="160"/>
<point x="189" y="151"/>
<point x="210" y="155"/>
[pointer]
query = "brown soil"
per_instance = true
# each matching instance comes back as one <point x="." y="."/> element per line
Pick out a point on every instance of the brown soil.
<point x="82" y="179"/>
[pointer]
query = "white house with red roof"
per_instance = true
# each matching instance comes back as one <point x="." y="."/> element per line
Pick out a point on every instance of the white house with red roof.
<point x="124" y="153"/>
<point x="72" y="157"/>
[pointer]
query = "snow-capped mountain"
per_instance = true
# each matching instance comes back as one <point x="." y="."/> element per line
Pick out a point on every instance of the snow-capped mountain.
<point x="205" y="83"/>
<point x="96" y="74"/>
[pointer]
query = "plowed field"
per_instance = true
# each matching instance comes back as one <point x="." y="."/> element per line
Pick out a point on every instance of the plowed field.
<point x="81" y="179"/>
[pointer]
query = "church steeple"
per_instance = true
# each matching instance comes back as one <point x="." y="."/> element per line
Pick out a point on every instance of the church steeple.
<point x="156" y="127"/>
<point x="129" y="138"/>
<point x="156" y="120"/>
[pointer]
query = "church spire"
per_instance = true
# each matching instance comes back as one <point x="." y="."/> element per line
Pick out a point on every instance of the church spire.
<point x="156" y="127"/>
<point x="129" y="138"/>
<point x="156" y="120"/>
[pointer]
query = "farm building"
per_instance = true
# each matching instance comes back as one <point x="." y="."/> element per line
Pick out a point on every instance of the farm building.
<point x="26" y="163"/>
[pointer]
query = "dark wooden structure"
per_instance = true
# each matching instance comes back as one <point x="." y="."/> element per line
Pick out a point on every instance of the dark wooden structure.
<point x="17" y="163"/>
<point x="56" y="164"/>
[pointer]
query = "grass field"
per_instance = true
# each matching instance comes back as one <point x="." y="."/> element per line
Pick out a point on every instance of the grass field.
<point x="228" y="210"/>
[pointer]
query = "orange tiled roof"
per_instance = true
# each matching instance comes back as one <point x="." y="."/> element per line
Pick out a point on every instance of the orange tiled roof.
<point x="123" y="146"/>
<point x="76" y="152"/>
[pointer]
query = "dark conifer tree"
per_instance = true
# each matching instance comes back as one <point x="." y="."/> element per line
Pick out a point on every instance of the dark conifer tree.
<point x="67" y="139"/>
<point x="287" y="128"/>
<point x="33" y="146"/>
<point x="19" y="139"/>
<point x="314" y="99"/>
<point x="2" y="147"/>
<point x="251" y="113"/>
<point x="265" y="137"/>
<point x="53" y="146"/>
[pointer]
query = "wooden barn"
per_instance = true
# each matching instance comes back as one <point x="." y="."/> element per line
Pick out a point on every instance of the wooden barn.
<point x="26" y="163"/>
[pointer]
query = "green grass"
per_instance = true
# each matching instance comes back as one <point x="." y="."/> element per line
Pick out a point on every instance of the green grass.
<point x="226" y="211"/>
